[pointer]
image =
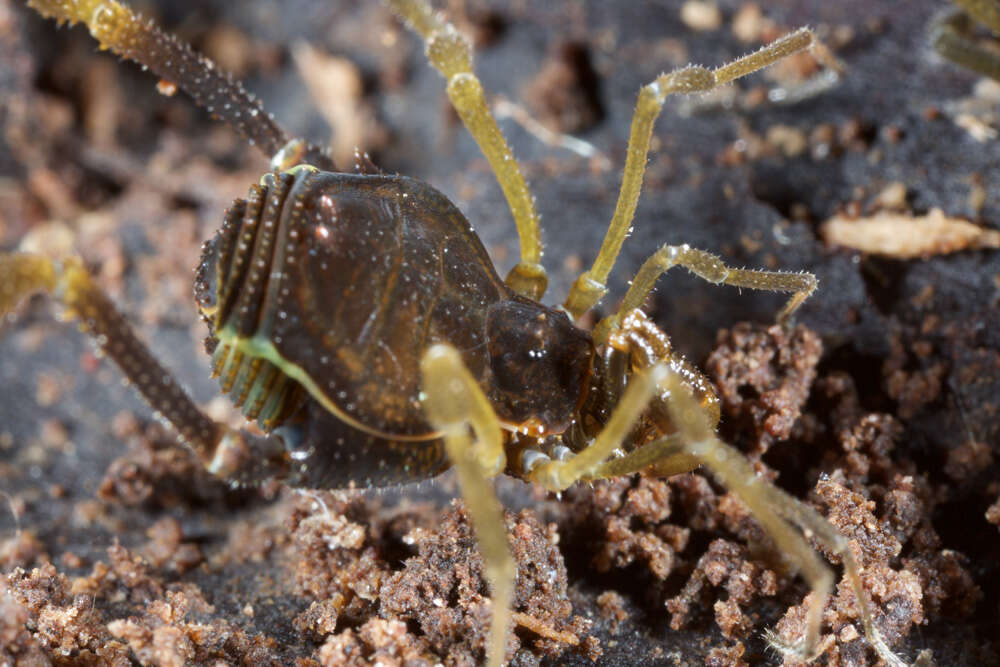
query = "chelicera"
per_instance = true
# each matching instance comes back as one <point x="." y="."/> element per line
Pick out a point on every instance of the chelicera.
<point x="358" y="318"/>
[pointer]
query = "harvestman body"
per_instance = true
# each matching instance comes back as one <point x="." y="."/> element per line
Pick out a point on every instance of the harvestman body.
<point x="379" y="380"/>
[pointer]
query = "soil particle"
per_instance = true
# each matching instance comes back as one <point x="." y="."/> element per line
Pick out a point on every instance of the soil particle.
<point x="993" y="513"/>
<point x="726" y="656"/>
<point x="154" y="472"/>
<point x="333" y="558"/>
<point x="764" y="377"/>
<point x="377" y="642"/>
<point x="21" y="550"/>
<point x="163" y="637"/>
<point x="883" y="507"/>
<point x="909" y="380"/>
<point x="166" y="548"/>
<point x="726" y="565"/>
<point x="17" y="645"/>
<point x="968" y="460"/>
<point x="58" y="621"/>
<point x="628" y="514"/>
<point x="612" y="607"/>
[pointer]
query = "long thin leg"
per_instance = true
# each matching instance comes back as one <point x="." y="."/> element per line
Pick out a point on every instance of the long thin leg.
<point x="130" y="36"/>
<point x="709" y="267"/>
<point x="663" y="457"/>
<point x="950" y="36"/>
<point x="454" y="402"/>
<point x="768" y="504"/>
<point x="590" y="287"/>
<point x="449" y="52"/>
<point x="237" y="456"/>
<point x="695" y="442"/>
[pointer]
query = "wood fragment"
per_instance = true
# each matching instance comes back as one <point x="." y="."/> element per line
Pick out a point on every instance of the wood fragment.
<point x="905" y="236"/>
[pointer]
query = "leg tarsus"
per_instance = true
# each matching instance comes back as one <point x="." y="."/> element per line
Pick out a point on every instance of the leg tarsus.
<point x="663" y="457"/>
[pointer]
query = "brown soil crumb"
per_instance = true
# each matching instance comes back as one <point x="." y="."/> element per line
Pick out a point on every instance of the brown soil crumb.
<point x="163" y="637"/>
<point x="334" y="559"/>
<point x="17" y="645"/>
<point x="910" y="380"/>
<point x="68" y="620"/>
<point x="628" y="515"/>
<point x="377" y="642"/>
<point x="968" y="460"/>
<point x="726" y="565"/>
<point x="726" y="656"/>
<point x="763" y="377"/>
<point x="155" y="472"/>
<point x="21" y="550"/>
<point x="883" y="507"/>
<point x="993" y="513"/>
<point x="58" y="621"/>
<point x="612" y="607"/>
<point x="166" y="548"/>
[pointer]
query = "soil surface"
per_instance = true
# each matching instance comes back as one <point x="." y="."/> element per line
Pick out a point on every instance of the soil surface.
<point x="879" y="408"/>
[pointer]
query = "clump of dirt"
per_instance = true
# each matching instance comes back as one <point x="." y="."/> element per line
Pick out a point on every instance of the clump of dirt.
<point x="339" y="557"/>
<point x="764" y="377"/>
<point x="56" y="619"/>
<point x="993" y="513"/>
<point x="164" y="635"/>
<point x="17" y="645"/>
<point x="78" y="621"/>
<point x="154" y="472"/>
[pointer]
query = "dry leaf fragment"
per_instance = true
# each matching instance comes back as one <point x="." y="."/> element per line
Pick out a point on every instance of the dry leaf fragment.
<point x="905" y="236"/>
<point x="335" y="85"/>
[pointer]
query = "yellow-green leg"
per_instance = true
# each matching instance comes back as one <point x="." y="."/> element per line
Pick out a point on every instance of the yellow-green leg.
<point x="951" y="36"/>
<point x="693" y="443"/>
<point x="663" y="457"/>
<point x="709" y="267"/>
<point x="776" y="511"/>
<point x="449" y="52"/>
<point x="241" y="457"/>
<point x="590" y="287"/>
<point x="454" y="403"/>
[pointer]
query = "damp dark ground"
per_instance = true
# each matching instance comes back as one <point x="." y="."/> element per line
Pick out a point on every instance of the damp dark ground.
<point x="94" y="161"/>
